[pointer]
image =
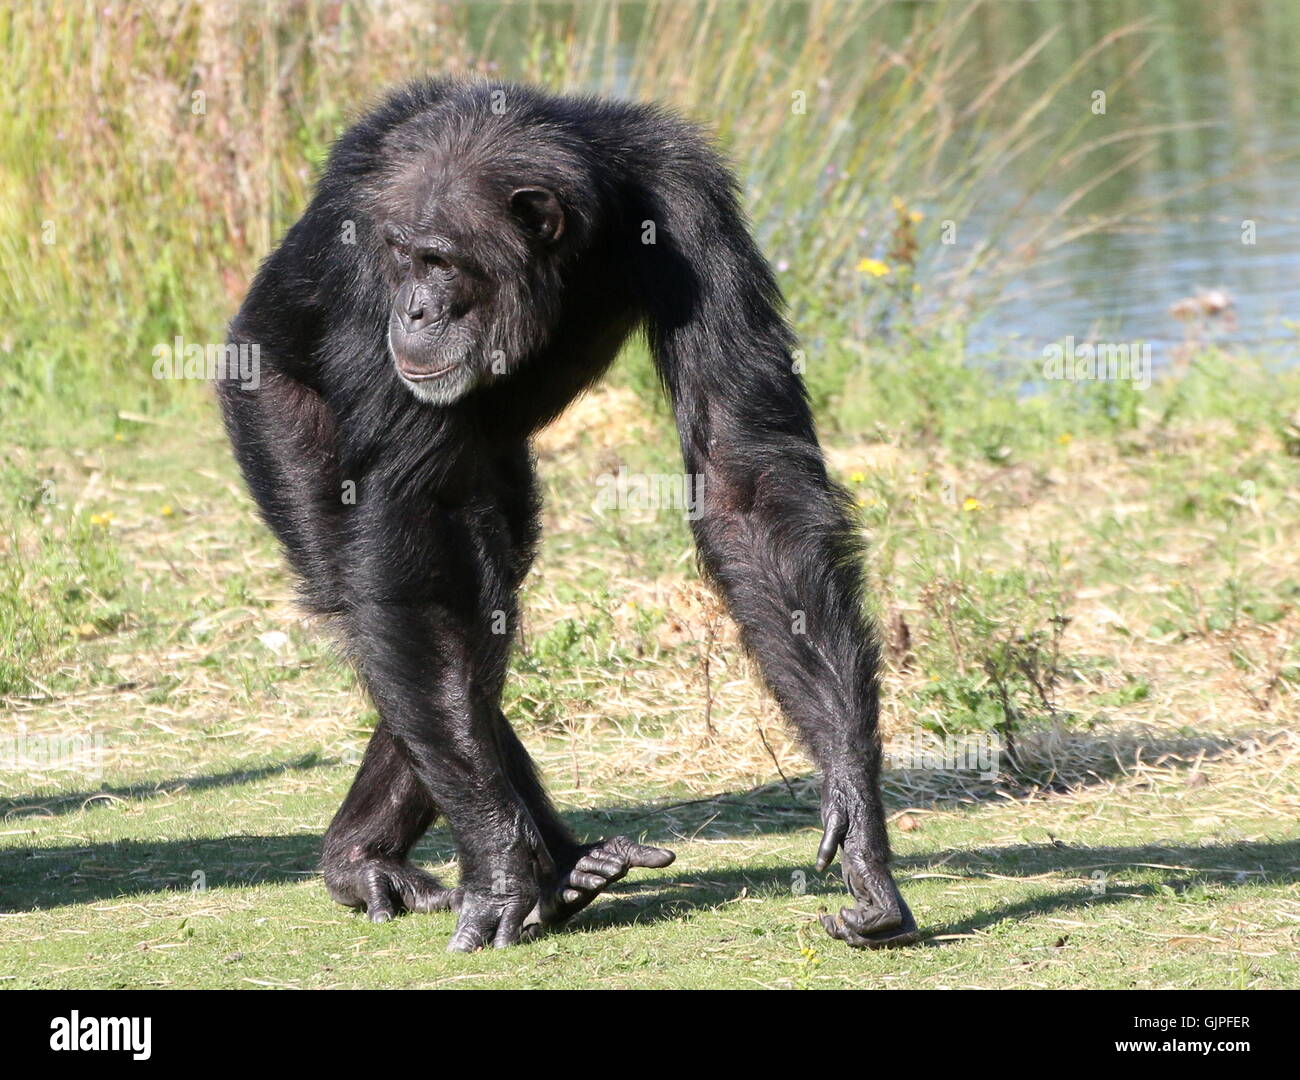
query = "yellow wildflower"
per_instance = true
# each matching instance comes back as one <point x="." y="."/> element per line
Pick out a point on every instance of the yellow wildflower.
<point x="972" y="504"/>
<point x="874" y="267"/>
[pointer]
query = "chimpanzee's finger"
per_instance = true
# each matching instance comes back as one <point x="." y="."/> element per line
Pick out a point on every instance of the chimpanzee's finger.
<point x="837" y="826"/>
<point x="473" y="930"/>
<point x="381" y="909"/>
<point x="509" y="926"/>
<point x="645" y="855"/>
<point x="380" y="903"/>
<point x="610" y="868"/>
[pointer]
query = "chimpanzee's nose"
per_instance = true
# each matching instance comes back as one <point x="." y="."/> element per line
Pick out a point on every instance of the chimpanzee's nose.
<point x="414" y="312"/>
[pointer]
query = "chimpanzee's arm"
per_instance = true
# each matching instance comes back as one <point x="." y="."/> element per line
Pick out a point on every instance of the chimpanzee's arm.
<point x="774" y="533"/>
<point x="401" y="576"/>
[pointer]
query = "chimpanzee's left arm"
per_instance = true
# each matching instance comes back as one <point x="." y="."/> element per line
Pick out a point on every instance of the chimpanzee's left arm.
<point x="774" y="533"/>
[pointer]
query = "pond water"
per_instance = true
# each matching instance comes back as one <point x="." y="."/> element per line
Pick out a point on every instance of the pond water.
<point x="1218" y="100"/>
<point x="1226" y="76"/>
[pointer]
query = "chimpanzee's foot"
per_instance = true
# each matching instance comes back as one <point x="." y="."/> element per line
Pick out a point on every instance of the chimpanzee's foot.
<point x="385" y="887"/>
<point x="586" y="873"/>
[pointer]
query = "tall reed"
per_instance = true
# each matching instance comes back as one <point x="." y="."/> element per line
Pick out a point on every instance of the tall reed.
<point x="152" y="152"/>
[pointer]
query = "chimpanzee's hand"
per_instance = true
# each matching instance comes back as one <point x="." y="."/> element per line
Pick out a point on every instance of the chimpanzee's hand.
<point x="881" y="918"/>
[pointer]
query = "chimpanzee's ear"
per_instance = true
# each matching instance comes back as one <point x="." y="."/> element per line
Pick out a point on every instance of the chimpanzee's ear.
<point x="538" y="211"/>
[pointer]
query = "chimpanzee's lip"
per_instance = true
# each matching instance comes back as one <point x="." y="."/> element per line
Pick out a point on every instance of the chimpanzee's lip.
<point x="417" y="374"/>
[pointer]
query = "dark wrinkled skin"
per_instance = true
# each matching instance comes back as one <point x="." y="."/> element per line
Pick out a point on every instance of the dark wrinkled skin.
<point x="881" y="918"/>
<point x="463" y="272"/>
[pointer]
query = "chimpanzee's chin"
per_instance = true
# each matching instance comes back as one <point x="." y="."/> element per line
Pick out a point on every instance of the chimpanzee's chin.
<point x="442" y="388"/>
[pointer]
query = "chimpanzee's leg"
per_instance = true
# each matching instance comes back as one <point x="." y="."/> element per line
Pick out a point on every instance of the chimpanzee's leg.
<point x="418" y="657"/>
<point x="384" y="815"/>
<point x="285" y="438"/>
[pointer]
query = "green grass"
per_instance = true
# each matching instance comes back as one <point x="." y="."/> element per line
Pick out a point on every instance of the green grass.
<point x="1159" y="887"/>
<point x="1126" y="613"/>
<point x="1107" y="577"/>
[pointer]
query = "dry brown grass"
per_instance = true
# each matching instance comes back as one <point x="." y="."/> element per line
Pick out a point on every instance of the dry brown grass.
<point x="690" y="713"/>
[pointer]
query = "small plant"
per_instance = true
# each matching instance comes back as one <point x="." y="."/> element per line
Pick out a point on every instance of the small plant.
<point x="809" y="961"/>
<point x="992" y="641"/>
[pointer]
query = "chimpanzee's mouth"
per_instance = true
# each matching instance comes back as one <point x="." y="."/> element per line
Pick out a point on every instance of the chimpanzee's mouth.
<point x="419" y="374"/>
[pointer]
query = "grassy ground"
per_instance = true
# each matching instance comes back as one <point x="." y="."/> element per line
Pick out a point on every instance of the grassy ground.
<point x="1106" y="576"/>
<point x="1116" y="588"/>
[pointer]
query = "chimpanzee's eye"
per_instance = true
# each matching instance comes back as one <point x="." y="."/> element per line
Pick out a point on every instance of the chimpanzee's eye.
<point x="396" y="243"/>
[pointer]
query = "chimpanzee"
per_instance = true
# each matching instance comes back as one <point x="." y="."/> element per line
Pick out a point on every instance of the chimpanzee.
<point x="474" y="257"/>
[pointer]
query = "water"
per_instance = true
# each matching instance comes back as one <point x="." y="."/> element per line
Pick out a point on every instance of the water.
<point x="1219" y="97"/>
<point x="1233" y="67"/>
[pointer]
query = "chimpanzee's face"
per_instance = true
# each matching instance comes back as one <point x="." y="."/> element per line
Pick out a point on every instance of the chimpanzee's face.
<point x="465" y="264"/>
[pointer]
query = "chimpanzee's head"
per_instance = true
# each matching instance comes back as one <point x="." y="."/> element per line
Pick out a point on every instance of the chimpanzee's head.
<point x="473" y="260"/>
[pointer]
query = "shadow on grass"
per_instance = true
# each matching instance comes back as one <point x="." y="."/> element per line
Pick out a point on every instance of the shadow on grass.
<point x="45" y="877"/>
<point x="786" y="804"/>
<point x="72" y="801"/>
<point x="1181" y="867"/>
<point x="42" y="877"/>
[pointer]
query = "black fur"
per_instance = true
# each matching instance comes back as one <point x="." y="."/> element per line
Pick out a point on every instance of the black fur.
<point x="496" y="235"/>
